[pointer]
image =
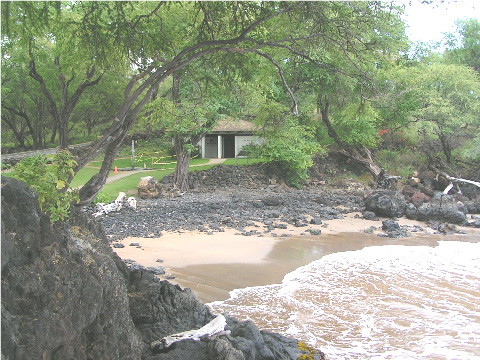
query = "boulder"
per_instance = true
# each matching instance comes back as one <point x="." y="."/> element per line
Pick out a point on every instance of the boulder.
<point x="419" y="198"/>
<point x="441" y="208"/>
<point x="393" y="229"/>
<point x="390" y="225"/>
<point x="386" y="203"/>
<point x="370" y="215"/>
<point x="473" y="207"/>
<point x="272" y="201"/>
<point x="148" y="188"/>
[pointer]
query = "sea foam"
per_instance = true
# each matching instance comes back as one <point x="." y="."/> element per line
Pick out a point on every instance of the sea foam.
<point x="381" y="302"/>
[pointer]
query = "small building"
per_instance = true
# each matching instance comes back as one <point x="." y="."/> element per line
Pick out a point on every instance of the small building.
<point x="227" y="139"/>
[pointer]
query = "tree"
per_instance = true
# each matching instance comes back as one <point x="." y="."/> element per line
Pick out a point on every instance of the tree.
<point x="341" y="90"/>
<point x="62" y="68"/>
<point x="289" y="148"/>
<point x="440" y="100"/>
<point x="464" y="48"/>
<point x="24" y="109"/>
<point x="160" y="39"/>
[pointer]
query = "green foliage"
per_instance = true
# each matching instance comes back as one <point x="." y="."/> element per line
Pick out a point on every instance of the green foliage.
<point x="290" y="148"/>
<point x="465" y="48"/>
<point x="358" y="125"/>
<point x="441" y="102"/>
<point x="102" y="198"/>
<point x="402" y="162"/>
<point x="472" y="149"/>
<point x="50" y="181"/>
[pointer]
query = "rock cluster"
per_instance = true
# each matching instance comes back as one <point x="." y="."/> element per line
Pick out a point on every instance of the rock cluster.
<point x="221" y="199"/>
<point x="266" y="209"/>
<point x="422" y="200"/>
<point x="66" y="295"/>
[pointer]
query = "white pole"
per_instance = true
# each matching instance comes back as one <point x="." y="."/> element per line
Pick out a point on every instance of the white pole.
<point x="219" y="147"/>
<point x="133" y="154"/>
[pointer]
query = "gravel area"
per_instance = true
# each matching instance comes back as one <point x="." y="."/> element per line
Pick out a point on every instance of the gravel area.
<point x="264" y="209"/>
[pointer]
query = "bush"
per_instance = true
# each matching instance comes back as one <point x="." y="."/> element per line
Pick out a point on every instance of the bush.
<point x="50" y="182"/>
<point x="400" y="162"/>
<point x="290" y="151"/>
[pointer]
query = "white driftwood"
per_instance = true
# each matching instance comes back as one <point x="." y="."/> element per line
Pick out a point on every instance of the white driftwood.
<point x="457" y="180"/>
<point x="215" y="326"/>
<point x="448" y="188"/>
<point x="117" y="205"/>
<point x="132" y="202"/>
<point x="121" y="197"/>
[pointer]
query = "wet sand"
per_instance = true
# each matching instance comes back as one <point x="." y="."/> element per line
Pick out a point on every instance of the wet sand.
<point x="213" y="265"/>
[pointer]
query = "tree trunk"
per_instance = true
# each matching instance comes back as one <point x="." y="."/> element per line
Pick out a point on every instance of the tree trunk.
<point x="89" y="191"/>
<point x="447" y="149"/>
<point x="180" y="177"/>
<point x="63" y="134"/>
<point x="360" y="154"/>
<point x="16" y="133"/>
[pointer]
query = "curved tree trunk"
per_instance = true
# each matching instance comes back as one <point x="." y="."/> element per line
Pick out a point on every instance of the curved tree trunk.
<point x="359" y="154"/>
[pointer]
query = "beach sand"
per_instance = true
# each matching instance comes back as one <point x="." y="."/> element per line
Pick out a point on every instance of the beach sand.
<point x="213" y="265"/>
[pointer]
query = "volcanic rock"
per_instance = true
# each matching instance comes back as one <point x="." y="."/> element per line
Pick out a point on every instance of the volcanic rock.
<point x="148" y="188"/>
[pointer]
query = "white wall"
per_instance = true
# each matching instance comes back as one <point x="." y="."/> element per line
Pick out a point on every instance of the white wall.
<point x="241" y="141"/>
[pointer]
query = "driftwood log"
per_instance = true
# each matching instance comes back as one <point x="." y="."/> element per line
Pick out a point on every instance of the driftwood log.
<point x="454" y="180"/>
<point x="214" y="327"/>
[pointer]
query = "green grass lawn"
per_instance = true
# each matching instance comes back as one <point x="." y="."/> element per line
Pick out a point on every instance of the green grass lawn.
<point x="83" y="176"/>
<point x="164" y="162"/>
<point x="129" y="184"/>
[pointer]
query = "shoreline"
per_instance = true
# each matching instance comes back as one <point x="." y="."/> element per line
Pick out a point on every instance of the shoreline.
<point x="212" y="265"/>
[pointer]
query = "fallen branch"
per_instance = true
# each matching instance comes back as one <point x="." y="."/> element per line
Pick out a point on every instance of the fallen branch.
<point x="455" y="180"/>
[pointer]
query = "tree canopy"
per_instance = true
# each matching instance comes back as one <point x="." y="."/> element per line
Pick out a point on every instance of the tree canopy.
<point x="326" y="68"/>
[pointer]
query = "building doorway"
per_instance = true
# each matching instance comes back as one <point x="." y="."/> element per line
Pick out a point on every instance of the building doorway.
<point x="228" y="146"/>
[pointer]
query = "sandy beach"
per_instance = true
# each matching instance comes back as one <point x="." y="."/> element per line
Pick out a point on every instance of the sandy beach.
<point x="213" y="265"/>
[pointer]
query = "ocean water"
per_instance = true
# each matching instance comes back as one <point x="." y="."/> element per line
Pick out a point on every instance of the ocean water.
<point x="380" y="302"/>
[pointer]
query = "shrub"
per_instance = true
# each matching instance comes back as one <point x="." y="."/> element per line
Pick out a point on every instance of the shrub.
<point x="290" y="150"/>
<point x="50" y="182"/>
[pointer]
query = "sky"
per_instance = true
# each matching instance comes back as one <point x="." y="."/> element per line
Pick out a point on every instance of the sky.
<point x="428" y="22"/>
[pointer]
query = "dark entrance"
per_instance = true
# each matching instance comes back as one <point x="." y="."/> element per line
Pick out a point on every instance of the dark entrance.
<point x="228" y="146"/>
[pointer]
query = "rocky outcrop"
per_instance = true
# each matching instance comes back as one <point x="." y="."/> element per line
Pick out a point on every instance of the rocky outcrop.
<point x="63" y="296"/>
<point x="66" y="295"/>
<point x="267" y="209"/>
<point x="221" y="177"/>
<point x="440" y="208"/>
